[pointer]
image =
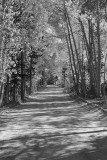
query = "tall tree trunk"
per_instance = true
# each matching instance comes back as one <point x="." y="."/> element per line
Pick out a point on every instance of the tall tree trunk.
<point x="30" y="88"/>
<point x="22" y="76"/>
<point x="2" y="93"/>
<point x="90" y="57"/>
<point x="94" y="49"/>
<point x="92" y="71"/>
<point x="14" y="88"/>
<point x="71" y="48"/>
<point x="75" y="46"/>
<point x="99" y="52"/>
<point x="105" y="67"/>
<point x="70" y="59"/>
<point x="3" y="54"/>
<point x="7" y="90"/>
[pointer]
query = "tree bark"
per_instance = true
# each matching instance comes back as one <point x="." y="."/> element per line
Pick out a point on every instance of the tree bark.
<point x="2" y="94"/>
<point x="70" y="60"/>
<point x="99" y="52"/>
<point x="30" y="88"/>
<point x="22" y="76"/>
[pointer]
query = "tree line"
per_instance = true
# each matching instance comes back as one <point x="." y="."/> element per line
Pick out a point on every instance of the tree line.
<point x="84" y="24"/>
<point x="20" y="31"/>
<point x="75" y="28"/>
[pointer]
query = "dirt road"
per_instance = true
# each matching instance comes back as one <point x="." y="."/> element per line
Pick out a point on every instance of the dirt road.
<point x="51" y="126"/>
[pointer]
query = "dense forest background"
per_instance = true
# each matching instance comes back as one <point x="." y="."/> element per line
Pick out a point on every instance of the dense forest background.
<point x="44" y="39"/>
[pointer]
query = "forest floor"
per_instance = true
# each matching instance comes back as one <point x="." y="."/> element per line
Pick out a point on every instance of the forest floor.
<point x="51" y="126"/>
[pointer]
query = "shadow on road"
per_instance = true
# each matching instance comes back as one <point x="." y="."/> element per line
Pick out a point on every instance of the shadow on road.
<point x="50" y="126"/>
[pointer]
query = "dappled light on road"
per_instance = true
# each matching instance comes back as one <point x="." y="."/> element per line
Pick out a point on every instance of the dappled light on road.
<point x="52" y="129"/>
<point x="46" y="103"/>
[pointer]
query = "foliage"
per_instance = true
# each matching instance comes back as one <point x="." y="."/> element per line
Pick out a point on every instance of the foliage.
<point x="38" y="39"/>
